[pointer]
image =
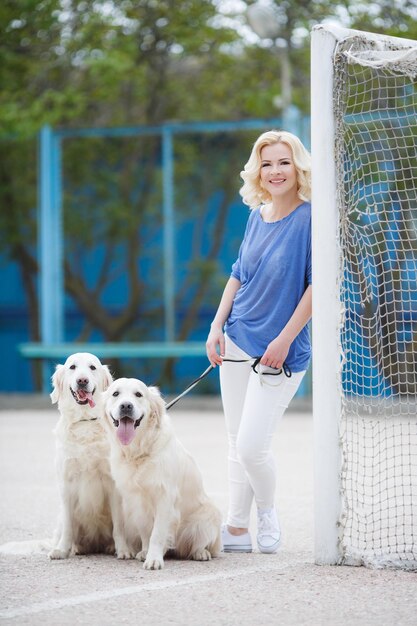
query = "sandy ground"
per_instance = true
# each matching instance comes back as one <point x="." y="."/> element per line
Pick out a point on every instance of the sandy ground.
<point x="245" y="590"/>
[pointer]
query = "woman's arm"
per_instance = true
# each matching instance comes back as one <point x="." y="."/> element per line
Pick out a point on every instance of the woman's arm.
<point x="278" y="349"/>
<point x="216" y="336"/>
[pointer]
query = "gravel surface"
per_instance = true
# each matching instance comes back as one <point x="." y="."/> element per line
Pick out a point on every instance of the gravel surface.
<point x="245" y="589"/>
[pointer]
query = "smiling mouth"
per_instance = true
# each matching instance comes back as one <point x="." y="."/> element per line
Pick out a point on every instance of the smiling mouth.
<point x="81" y="396"/>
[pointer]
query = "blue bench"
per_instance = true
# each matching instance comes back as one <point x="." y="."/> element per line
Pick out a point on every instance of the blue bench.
<point x="59" y="352"/>
<point x="119" y="350"/>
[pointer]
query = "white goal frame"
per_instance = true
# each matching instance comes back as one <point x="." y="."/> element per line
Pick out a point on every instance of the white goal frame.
<point x="327" y="313"/>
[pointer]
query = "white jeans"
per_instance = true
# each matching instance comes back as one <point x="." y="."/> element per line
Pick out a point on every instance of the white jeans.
<point x="253" y="405"/>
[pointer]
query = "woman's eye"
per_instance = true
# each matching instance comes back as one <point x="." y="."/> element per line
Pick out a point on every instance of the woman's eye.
<point x="93" y="367"/>
<point x="138" y="394"/>
<point x="115" y="394"/>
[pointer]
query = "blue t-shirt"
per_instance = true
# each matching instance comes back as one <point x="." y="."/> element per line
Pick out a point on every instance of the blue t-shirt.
<point x="274" y="268"/>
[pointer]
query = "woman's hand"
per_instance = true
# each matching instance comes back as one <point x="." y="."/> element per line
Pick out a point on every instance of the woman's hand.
<point x="276" y="353"/>
<point x="215" y="345"/>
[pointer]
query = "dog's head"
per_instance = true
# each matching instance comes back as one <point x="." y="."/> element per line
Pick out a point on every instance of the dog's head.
<point x="132" y="408"/>
<point x="81" y="379"/>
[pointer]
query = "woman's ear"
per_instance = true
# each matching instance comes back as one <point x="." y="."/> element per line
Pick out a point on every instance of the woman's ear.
<point x="57" y="383"/>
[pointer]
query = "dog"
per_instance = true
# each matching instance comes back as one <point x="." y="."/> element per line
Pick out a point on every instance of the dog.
<point x="91" y="520"/>
<point x="165" y="506"/>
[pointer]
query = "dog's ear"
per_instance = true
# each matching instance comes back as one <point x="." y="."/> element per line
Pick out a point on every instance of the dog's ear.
<point x="57" y="383"/>
<point x="157" y="404"/>
<point x="107" y="378"/>
<point x="105" y="394"/>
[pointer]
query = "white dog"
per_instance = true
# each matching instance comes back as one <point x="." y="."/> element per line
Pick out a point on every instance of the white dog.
<point x="164" y="504"/>
<point x="90" y="506"/>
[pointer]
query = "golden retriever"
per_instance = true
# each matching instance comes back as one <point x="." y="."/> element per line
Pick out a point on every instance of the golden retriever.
<point x="90" y="519"/>
<point x="165" y="506"/>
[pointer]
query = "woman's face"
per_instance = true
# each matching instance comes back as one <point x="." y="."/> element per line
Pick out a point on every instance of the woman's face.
<point x="278" y="173"/>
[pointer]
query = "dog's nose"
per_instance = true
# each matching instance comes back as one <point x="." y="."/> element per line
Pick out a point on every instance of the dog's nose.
<point x="126" y="408"/>
<point x="82" y="382"/>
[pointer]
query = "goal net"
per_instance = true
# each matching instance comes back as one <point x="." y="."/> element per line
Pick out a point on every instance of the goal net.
<point x="374" y="148"/>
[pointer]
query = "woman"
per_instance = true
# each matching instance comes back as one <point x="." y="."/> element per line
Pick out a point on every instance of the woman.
<point x="263" y="313"/>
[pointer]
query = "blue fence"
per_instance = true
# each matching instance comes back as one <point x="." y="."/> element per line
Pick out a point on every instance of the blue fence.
<point x="177" y="263"/>
<point x="168" y="256"/>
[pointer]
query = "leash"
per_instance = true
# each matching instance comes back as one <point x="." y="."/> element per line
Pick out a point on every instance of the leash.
<point x="190" y="386"/>
<point x="207" y="371"/>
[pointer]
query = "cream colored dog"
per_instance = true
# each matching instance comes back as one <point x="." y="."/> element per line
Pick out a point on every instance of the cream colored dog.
<point x="164" y="504"/>
<point x="90" y="506"/>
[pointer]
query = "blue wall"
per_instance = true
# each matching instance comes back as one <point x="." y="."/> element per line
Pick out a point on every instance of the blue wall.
<point x="16" y="372"/>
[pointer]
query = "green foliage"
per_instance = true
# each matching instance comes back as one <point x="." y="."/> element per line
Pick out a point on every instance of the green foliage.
<point x="95" y="62"/>
<point x="397" y="18"/>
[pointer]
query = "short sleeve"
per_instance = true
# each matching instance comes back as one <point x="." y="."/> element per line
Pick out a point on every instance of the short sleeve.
<point x="236" y="269"/>
<point x="236" y="265"/>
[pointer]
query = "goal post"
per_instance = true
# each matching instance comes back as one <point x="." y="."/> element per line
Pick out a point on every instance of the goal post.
<point x="326" y="306"/>
<point x="364" y="240"/>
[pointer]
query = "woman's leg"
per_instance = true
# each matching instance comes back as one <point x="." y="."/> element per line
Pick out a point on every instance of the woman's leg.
<point x="234" y="378"/>
<point x="265" y="404"/>
<point x="266" y="399"/>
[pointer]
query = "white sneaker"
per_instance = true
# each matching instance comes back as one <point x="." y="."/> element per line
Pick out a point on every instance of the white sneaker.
<point x="235" y="543"/>
<point x="269" y="532"/>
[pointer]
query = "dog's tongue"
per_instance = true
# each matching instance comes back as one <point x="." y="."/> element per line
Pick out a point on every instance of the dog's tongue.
<point x="87" y="395"/>
<point x="126" y="430"/>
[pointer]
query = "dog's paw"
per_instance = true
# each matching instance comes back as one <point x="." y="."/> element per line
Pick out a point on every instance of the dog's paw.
<point x="125" y="553"/>
<point x="56" y="554"/>
<point x="153" y="563"/>
<point x="141" y="556"/>
<point x="201" y="555"/>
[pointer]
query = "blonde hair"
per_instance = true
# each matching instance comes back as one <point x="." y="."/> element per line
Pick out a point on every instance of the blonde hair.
<point x="252" y="192"/>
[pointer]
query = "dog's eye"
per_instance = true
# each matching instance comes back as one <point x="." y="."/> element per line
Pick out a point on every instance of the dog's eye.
<point x="72" y="367"/>
<point x="93" y="367"/>
<point x="116" y="393"/>
<point x="138" y="394"/>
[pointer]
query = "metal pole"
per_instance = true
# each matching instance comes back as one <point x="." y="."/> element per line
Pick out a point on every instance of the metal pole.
<point x="50" y="243"/>
<point x="285" y="77"/>
<point x="168" y="233"/>
<point x="289" y="111"/>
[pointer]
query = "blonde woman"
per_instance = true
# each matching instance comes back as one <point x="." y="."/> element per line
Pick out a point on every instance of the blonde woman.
<point x="263" y="312"/>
